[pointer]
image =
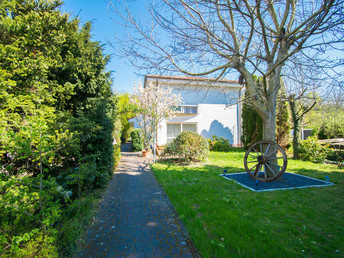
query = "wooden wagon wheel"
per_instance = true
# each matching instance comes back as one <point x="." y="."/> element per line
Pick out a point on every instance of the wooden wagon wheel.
<point x="265" y="161"/>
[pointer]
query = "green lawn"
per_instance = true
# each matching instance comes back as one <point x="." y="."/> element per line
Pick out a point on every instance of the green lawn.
<point x="225" y="219"/>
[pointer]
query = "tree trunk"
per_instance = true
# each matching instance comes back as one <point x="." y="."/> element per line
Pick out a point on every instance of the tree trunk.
<point x="296" y="139"/>
<point x="269" y="127"/>
<point x="265" y="105"/>
<point x="296" y="132"/>
<point x="269" y="133"/>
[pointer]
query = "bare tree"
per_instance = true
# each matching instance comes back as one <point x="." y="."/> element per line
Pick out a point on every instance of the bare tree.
<point x="299" y="109"/>
<point x="252" y="37"/>
<point x="200" y="38"/>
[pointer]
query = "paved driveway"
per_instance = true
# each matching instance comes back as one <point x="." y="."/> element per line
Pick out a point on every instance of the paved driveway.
<point x="135" y="218"/>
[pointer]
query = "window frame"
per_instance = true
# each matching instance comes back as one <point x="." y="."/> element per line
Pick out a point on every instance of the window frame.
<point x="181" y="109"/>
<point x="169" y="139"/>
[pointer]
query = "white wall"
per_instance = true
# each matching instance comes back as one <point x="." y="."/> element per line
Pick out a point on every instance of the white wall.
<point x="212" y="119"/>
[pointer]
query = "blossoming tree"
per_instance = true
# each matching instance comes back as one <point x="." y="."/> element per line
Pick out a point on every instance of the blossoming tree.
<point x="155" y="104"/>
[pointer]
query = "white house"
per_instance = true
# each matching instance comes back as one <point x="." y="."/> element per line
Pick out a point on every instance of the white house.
<point x="208" y="108"/>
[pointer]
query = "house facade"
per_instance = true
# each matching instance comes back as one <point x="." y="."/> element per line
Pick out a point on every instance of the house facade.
<point x="208" y="108"/>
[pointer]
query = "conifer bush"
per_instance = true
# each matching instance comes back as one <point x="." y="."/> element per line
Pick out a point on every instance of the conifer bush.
<point x="136" y="140"/>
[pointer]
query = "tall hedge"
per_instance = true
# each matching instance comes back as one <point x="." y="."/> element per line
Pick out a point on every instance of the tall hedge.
<point x="57" y="116"/>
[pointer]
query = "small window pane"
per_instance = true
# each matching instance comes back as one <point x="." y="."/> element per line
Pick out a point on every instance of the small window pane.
<point x="190" y="109"/>
<point x="173" y="130"/>
<point x="189" y="127"/>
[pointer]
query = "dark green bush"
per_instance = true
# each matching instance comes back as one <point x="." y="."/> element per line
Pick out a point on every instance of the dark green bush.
<point x="335" y="155"/>
<point x="218" y="143"/>
<point x="312" y="150"/>
<point x="332" y="127"/>
<point x="136" y="140"/>
<point x="188" y="146"/>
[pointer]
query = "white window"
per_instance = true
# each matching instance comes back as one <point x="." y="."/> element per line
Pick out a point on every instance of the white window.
<point x="173" y="130"/>
<point x="189" y="127"/>
<point x="187" y="109"/>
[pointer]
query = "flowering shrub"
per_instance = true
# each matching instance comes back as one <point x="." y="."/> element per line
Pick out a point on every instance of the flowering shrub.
<point x="312" y="150"/>
<point x="154" y="105"/>
<point x="218" y="143"/>
<point x="188" y="146"/>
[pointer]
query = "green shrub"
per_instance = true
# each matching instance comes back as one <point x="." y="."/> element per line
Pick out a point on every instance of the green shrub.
<point x="136" y="140"/>
<point x="332" y="126"/>
<point x="217" y="143"/>
<point x="77" y="217"/>
<point x="335" y="155"/>
<point x="188" y="146"/>
<point x="312" y="150"/>
<point x="116" y="154"/>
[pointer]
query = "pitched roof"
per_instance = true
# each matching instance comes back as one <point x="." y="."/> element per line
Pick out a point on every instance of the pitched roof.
<point x="188" y="78"/>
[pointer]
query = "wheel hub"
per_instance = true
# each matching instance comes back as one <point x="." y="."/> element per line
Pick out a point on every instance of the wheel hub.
<point x="261" y="159"/>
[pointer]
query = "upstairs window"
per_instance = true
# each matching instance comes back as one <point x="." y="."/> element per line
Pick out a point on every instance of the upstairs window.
<point x="187" y="109"/>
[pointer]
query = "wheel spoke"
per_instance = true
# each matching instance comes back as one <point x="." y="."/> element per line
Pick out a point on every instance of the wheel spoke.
<point x="255" y="151"/>
<point x="261" y="149"/>
<point x="253" y="156"/>
<point x="267" y="149"/>
<point x="253" y="167"/>
<point x="251" y="161"/>
<point x="276" y="158"/>
<point x="257" y="170"/>
<point x="265" y="174"/>
<point x="270" y="168"/>
<point x="272" y="153"/>
<point x="273" y="164"/>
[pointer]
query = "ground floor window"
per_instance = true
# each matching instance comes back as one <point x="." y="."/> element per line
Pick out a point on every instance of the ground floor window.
<point x="173" y="130"/>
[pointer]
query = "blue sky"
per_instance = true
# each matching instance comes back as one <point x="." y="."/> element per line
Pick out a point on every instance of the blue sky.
<point x="103" y="30"/>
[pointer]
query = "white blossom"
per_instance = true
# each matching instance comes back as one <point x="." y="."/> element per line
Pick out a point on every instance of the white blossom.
<point x="155" y="104"/>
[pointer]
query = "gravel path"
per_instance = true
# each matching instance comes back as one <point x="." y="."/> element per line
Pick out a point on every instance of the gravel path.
<point x="135" y="218"/>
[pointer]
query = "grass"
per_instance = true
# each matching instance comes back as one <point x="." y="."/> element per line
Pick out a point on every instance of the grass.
<point x="225" y="219"/>
<point x="76" y="220"/>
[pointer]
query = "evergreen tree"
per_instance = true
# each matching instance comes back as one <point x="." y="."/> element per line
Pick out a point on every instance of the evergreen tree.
<point x="252" y="126"/>
<point x="57" y="116"/>
<point x="283" y="123"/>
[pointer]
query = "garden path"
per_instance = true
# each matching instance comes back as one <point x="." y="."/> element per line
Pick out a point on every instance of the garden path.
<point x="135" y="217"/>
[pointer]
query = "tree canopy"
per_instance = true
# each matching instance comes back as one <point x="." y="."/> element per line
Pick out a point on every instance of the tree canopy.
<point x="268" y="39"/>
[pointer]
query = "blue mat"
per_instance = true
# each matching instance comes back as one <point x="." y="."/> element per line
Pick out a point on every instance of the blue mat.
<point x="287" y="181"/>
